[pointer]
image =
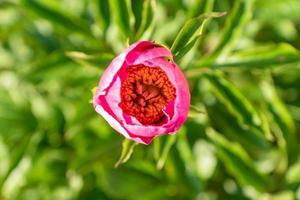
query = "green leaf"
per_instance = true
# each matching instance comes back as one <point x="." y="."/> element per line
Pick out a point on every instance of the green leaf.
<point x="44" y="66"/>
<point x="27" y="147"/>
<point x="51" y="12"/>
<point x="200" y="6"/>
<point x="15" y="117"/>
<point x="4" y="157"/>
<point x="17" y="158"/>
<point x="137" y="9"/>
<point x="157" y="148"/>
<point x="6" y="4"/>
<point x="284" y="194"/>
<point x="221" y="119"/>
<point x="170" y="141"/>
<point x="273" y="11"/>
<point x="127" y="150"/>
<point x="283" y="121"/>
<point x="121" y="10"/>
<point x="263" y="57"/>
<point x="234" y="100"/>
<point x="146" y="17"/>
<point x="293" y="174"/>
<point x="239" y="16"/>
<point x="188" y="159"/>
<point x="186" y="49"/>
<point x="238" y="163"/>
<point x="295" y="112"/>
<point x="129" y="183"/>
<point x="96" y="60"/>
<point x="192" y="30"/>
<point x="102" y="13"/>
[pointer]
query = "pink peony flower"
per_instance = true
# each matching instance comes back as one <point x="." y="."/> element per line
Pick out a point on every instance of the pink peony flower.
<point x="143" y="93"/>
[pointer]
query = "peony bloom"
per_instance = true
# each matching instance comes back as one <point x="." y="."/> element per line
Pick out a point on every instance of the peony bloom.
<point x="143" y="93"/>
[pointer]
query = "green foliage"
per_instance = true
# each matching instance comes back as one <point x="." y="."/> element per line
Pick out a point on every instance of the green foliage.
<point x="238" y="162"/>
<point x="240" y="14"/>
<point x="55" y="15"/>
<point x="127" y="150"/>
<point x="239" y="142"/>
<point x="122" y="16"/>
<point x="189" y="34"/>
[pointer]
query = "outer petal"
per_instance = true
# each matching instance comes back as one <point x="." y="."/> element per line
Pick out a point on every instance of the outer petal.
<point x="182" y="102"/>
<point x="109" y="108"/>
<point x="118" y="62"/>
<point x="148" y="54"/>
<point x="109" y="117"/>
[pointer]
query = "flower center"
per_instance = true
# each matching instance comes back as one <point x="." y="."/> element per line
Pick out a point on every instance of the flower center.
<point x="145" y="92"/>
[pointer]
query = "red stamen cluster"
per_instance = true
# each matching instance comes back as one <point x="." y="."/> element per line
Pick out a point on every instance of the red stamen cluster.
<point x="145" y="92"/>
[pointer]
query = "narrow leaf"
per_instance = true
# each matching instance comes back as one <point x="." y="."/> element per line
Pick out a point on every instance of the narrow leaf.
<point x="259" y="58"/>
<point x="27" y="147"/>
<point x="137" y="9"/>
<point x="95" y="60"/>
<point x="57" y="16"/>
<point x="120" y="8"/>
<point x="165" y="151"/>
<point x="200" y="6"/>
<point x="186" y="49"/>
<point x="157" y="148"/>
<point x="127" y="150"/>
<point x="4" y="157"/>
<point x="188" y="159"/>
<point x="6" y="4"/>
<point x="282" y="120"/>
<point x="234" y="100"/>
<point x="192" y="29"/>
<point x="146" y="17"/>
<point x="293" y="174"/>
<point x="102" y="14"/>
<point x="238" y="163"/>
<point x="221" y="119"/>
<point x="239" y="16"/>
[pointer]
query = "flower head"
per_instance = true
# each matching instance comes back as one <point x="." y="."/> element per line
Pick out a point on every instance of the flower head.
<point x="143" y="93"/>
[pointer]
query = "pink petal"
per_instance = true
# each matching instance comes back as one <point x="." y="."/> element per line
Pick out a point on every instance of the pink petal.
<point x="108" y="115"/>
<point x="118" y="62"/>
<point x="107" y="98"/>
<point x="149" y="54"/>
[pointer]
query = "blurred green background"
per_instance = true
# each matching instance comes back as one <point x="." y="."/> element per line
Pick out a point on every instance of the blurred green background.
<point x="241" y="140"/>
